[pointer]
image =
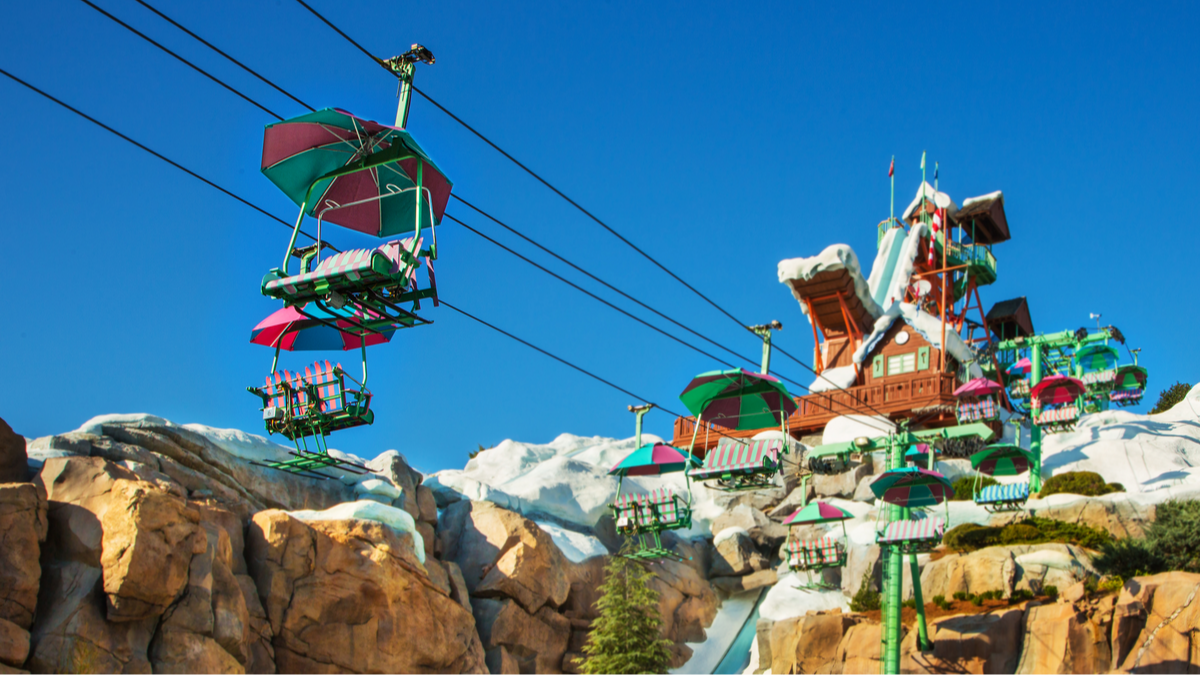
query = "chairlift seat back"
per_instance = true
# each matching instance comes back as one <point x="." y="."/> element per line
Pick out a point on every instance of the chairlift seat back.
<point x="353" y="270"/>
<point x="983" y="410"/>
<point x="913" y="531"/>
<point x="734" y="456"/>
<point x="996" y="494"/>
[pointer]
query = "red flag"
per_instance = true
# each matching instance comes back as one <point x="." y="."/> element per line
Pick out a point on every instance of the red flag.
<point x="892" y="168"/>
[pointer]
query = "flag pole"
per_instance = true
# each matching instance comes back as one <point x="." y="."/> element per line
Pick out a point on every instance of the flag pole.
<point x="892" y="208"/>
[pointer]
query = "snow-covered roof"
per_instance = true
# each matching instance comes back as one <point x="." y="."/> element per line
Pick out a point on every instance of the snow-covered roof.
<point x="892" y="271"/>
<point x="940" y="199"/>
<point x="927" y="325"/>
<point x="842" y="377"/>
<point x="998" y="194"/>
<point x="835" y="257"/>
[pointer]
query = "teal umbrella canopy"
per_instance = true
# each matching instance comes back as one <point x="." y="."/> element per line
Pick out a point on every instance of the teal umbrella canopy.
<point x="1096" y="358"/>
<point x="738" y="399"/>
<point x="654" y="459"/>
<point x="353" y="172"/>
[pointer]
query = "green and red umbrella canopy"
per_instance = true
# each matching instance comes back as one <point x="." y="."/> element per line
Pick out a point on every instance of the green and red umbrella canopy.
<point x="331" y="158"/>
<point x="1096" y="358"/>
<point x="654" y="459"/>
<point x="1057" y="389"/>
<point x="1130" y="377"/>
<point x="738" y="399"/>
<point x="912" y="487"/>
<point x="1002" y="460"/>
<point x="818" y="512"/>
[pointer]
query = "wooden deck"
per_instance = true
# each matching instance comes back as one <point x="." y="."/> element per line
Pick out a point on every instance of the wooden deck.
<point x="897" y="401"/>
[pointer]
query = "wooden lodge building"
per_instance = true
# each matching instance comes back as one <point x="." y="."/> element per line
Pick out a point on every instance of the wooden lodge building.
<point x="903" y="371"/>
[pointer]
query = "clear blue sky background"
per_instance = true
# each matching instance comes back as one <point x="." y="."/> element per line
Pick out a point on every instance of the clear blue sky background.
<point x="721" y="137"/>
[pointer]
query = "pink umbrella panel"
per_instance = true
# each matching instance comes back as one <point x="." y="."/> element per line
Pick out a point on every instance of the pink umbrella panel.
<point x="1057" y="389"/>
<point x="979" y="386"/>
<point x="289" y="330"/>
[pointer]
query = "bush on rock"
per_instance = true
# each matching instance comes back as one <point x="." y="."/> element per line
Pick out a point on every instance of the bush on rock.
<point x="1086" y="483"/>
<point x="1170" y="544"/>
<point x="971" y="537"/>
<point x="964" y="487"/>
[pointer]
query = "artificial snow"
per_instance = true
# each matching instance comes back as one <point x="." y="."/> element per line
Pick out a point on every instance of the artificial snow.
<point x="784" y="600"/>
<point x="576" y="546"/>
<point x="892" y="272"/>
<point x="728" y="533"/>
<point x="836" y="257"/>
<point x="983" y="198"/>
<point x="842" y="377"/>
<point x="940" y="200"/>
<point x="380" y="488"/>
<point x="391" y="516"/>
<point x="846" y="428"/>
<point x="566" y="479"/>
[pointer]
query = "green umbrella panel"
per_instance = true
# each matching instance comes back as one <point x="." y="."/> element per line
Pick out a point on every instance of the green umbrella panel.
<point x="1002" y="460"/>
<point x="738" y="399"/>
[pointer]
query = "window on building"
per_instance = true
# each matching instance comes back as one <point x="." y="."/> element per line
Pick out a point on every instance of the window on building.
<point x="902" y="363"/>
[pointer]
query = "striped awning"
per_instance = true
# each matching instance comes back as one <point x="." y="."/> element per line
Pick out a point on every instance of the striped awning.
<point x="737" y="455"/>
<point x="913" y="530"/>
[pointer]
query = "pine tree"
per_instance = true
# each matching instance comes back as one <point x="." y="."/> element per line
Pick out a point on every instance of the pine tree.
<point x="627" y="636"/>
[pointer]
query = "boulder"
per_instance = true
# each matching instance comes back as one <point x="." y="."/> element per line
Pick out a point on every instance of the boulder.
<point x="806" y="644"/>
<point x="1007" y="568"/>
<point x="14" y="644"/>
<point x="686" y="602"/>
<point x="394" y="467"/>
<point x="262" y="653"/>
<point x="22" y="529"/>
<point x="504" y="555"/>
<point x="968" y="643"/>
<point x="843" y="484"/>
<point x="858" y="652"/>
<point x="537" y="642"/>
<point x="1060" y="637"/>
<point x="500" y="661"/>
<point x="426" y="505"/>
<point x="1116" y="514"/>
<point x="13" y="465"/>
<point x="327" y="585"/>
<point x="1154" y="624"/>
<point x="735" y="585"/>
<point x="766" y="533"/>
<point x="735" y="554"/>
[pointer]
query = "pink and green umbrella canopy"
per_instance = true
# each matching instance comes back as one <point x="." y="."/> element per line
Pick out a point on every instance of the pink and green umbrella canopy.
<point x="738" y="399"/>
<point x="1002" y="460"/>
<point x="818" y="512"/>
<point x="1021" y="367"/>
<point x="654" y="459"/>
<point x="306" y="151"/>
<point x="980" y="386"/>
<point x="1057" y="389"/>
<point x="291" y="331"/>
<point x="912" y="487"/>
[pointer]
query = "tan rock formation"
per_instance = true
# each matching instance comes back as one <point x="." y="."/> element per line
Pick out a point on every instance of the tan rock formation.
<point x="766" y="533"/>
<point x="736" y="555"/>
<point x="13" y="468"/>
<point x="1155" y="622"/>
<point x="809" y="643"/>
<point x="329" y="584"/>
<point x="503" y="554"/>
<point x="686" y="601"/>
<point x="858" y="652"/>
<point x="1116" y="515"/>
<point x="14" y="644"/>
<point x="22" y="529"/>
<point x="1006" y="568"/>
<point x="1061" y="637"/>
<point x="537" y="642"/>
<point x="967" y="643"/>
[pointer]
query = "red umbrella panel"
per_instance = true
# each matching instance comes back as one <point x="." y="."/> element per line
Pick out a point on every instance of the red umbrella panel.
<point x="980" y="386"/>
<point x="289" y="330"/>
<point x="1057" y="389"/>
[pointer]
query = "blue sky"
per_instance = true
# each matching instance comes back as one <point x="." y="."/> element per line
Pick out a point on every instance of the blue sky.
<point x="719" y="137"/>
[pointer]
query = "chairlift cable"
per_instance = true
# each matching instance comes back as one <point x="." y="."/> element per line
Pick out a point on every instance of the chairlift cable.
<point x="208" y="44"/>
<point x="589" y="214"/>
<point x="159" y="155"/>
<point x="198" y="69"/>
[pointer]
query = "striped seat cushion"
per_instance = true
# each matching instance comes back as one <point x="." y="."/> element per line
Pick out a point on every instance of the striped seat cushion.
<point x="1068" y="413"/>
<point x="929" y="529"/>
<point x="1125" y="394"/>
<point x="663" y="500"/>
<point x="353" y="265"/>
<point x="802" y="554"/>
<point x="1100" y="377"/>
<point x="974" y="412"/>
<point x="1013" y="492"/>
<point x="738" y="456"/>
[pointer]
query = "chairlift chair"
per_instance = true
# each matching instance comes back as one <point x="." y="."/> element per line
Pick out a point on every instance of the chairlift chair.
<point x="977" y="401"/>
<point x="1057" y="403"/>
<point x="816" y="555"/>
<point x="647" y="516"/>
<point x="1096" y="365"/>
<point x="1001" y="460"/>
<point x="1129" y="386"/>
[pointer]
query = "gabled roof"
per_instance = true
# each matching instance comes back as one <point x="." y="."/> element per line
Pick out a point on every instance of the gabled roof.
<point x="1010" y="318"/>
<point x="939" y="199"/>
<point x="983" y="218"/>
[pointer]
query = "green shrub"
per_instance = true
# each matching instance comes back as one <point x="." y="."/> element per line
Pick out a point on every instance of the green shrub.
<point x="1051" y="591"/>
<point x="911" y="603"/>
<point x="473" y="455"/>
<point x="976" y="600"/>
<point x="866" y="599"/>
<point x="1173" y="394"/>
<point x="964" y="487"/>
<point x="970" y="537"/>
<point x="940" y="601"/>
<point x="1110" y="584"/>
<point x="1086" y="483"/>
<point x="1128" y="558"/>
<point x="1020" y="596"/>
<point x="1173" y="535"/>
<point x="962" y="595"/>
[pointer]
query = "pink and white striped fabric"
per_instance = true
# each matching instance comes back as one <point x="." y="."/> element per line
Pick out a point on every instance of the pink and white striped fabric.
<point x="735" y="455"/>
<point x="928" y="529"/>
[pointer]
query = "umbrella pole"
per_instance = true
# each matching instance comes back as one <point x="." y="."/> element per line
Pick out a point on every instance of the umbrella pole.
<point x="292" y="244"/>
<point x="362" y="341"/>
<point x="275" y="361"/>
